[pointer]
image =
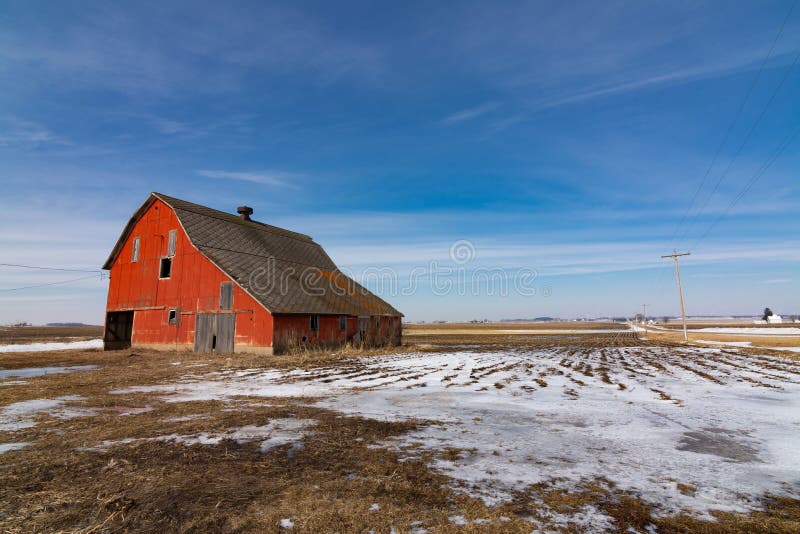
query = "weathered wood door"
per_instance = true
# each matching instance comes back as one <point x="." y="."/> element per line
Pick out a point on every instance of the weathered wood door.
<point x="226" y="324"/>
<point x="119" y="328"/>
<point x="214" y="332"/>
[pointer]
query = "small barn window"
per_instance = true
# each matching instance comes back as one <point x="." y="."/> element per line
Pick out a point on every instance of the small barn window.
<point x="135" y="252"/>
<point x="342" y="322"/>
<point x="377" y="321"/>
<point x="314" y="323"/>
<point x="172" y="316"/>
<point x="171" y="243"/>
<point x="226" y="296"/>
<point x="165" y="269"/>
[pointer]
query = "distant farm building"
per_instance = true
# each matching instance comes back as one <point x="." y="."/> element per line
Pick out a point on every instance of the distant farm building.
<point x="184" y="276"/>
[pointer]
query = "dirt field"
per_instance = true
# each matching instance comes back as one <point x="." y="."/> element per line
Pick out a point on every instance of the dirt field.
<point x="36" y="334"/>
<point x="474" y="433"/>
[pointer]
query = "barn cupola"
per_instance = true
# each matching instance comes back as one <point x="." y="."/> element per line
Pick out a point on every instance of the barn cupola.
<point x="244" y="212"/>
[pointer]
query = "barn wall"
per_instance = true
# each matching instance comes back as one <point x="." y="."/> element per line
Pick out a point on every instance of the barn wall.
<point x="193" y="287"/>
<point x="295" y="330"/>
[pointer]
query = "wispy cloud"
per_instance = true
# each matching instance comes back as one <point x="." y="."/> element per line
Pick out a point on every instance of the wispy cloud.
<point x="277" y="178"/>
<point x="469" y="113"/>
<point x="16" y="132"/>
<point x="213" y="52"/>
<point x="777" y="281"/>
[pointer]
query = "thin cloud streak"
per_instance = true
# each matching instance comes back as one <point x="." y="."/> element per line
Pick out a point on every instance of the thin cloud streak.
<point x="674" y="77"/>
<point x="469" y="113"/>
<point x="276" y="178"/>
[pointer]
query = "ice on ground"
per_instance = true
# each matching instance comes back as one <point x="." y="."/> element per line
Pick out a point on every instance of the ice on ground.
<point x="21" y="415"/>
<point x="277" y="432"/>
<point x="746" y="344"/>
<point x="29" y="372"/>
<point x="43" y="347"/>
<point x="587" y="519"/>
<point x="458" y="520"/>
<point x="287" y="523"/>
<point x="374" y="507"/>
<point x="184" y="418"/>
<point x="724" y="343"/>
<point x="131" y="410"/>
<point x="790" y="331"/>
<point x="5" y="447"/>
<point x="644" y="418"/>
<point x="13" y="382"/>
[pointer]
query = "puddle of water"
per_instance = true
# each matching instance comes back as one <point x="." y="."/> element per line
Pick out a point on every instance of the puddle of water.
<point x="717" y="442"/>
<point x="29" y="372"/>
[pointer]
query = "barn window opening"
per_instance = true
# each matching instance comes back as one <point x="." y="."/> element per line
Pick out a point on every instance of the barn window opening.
<point x="213" y="342"/>
<point x="314" y="323"/>
<point x="172" y="317"/>
<point x="226" y="296"/>
<point x="342" y="322"/>
<point x="377" y="321"/>
<point x="171" y="243"/>
<point x="135" y="252"/>
<point x="165" y="269"/>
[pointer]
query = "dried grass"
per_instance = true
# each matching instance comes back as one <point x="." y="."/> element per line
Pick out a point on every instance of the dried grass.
<point x="59" y="483"/>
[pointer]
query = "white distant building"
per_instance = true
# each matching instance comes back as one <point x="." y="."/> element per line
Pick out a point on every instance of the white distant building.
<point x="774" y="319"/>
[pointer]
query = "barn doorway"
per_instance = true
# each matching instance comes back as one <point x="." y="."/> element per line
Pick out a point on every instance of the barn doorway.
<point x="214" y="332"/>
<point x="119" y="328"/>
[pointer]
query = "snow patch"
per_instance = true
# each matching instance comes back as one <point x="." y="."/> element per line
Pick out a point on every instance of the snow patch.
<point x="5" y="447"/>
<point x="274" y="434"/>
<point x="44" y="347"/>
<point x="29" y="372"/>
<point x="641" y="417"/>
<point x="791" y="331"/>
<point x="20" y="415"/>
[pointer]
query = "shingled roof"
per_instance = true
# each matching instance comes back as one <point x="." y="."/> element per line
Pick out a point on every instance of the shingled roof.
<point x="285" y="271"/>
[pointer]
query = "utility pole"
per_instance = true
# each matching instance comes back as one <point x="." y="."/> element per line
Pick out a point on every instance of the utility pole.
<point x="675" y="257"/>
<point x="644" y="318"/>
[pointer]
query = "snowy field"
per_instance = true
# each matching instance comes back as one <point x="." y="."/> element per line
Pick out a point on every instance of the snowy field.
<point x="44" y="347"/>
<point x="686" y="429"/>
<point x="787" y="331"/>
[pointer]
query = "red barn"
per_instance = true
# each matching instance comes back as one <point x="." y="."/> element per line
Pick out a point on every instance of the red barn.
<point x="184" y="276"/>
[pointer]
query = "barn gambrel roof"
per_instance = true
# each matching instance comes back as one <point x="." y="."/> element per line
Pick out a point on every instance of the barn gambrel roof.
<point x="287" y="272"/>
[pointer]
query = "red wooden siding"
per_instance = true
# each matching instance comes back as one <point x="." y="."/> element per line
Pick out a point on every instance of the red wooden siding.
<point x="194" y="286"/>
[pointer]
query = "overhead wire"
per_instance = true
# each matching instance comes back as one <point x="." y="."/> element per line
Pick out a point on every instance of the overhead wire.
<point x="660" y="276"/>
<point x="50" y="283"/>
<point x="750" y="183"/>
<point x="742" y="145"/>
<point x="735" y="121"/>
<point x="49" y="268"/>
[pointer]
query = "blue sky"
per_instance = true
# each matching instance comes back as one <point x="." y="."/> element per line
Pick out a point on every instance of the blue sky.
<point x="564" y="138"/>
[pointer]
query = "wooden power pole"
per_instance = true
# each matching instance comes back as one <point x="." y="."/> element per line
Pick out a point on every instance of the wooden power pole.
<point x="675" y="257"/>
<point x="644" y="318"/>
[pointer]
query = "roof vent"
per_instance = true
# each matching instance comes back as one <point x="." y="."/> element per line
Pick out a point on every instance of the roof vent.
<point x="244" y="212"/>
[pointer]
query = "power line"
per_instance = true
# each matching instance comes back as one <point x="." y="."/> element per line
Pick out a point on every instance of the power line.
<point x="756" y="176"/>
<point x="51" y="283"/>
<point x="734" y="122"/>
<point x="49" y="268"/>
<point x="742" y="145"/>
